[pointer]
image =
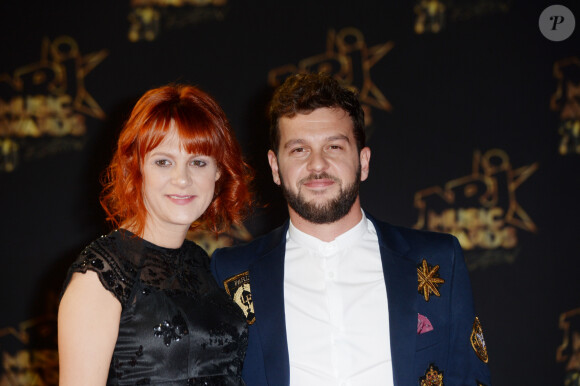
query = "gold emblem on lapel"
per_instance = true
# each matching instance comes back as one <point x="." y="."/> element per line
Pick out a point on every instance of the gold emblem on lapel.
<point x="432" y="377"/>
<point x="477" y="341"/>
<point x="429" y="280"/>
<point x="238" y="287"/>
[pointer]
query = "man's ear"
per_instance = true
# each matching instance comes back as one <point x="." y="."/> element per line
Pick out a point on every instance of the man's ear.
<point x="274" y="166"/>
<point x="365" y="160"/>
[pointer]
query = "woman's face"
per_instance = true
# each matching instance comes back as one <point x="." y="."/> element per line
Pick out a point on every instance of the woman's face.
<point x="177" y="186"/>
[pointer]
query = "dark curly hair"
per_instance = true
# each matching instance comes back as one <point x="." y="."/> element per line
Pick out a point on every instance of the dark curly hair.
<point x="303" y="93"/>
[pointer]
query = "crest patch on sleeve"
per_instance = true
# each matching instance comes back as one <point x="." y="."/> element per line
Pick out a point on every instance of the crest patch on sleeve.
<point x="238" y="287"/>
<point x="477" y="341"/>
<point x="432" y="377"/>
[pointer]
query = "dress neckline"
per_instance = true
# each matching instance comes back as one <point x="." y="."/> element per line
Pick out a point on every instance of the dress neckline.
<point x="170" y="252"/>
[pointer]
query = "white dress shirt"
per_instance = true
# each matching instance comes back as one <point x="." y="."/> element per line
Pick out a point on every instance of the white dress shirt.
<point x="335" y="301"/>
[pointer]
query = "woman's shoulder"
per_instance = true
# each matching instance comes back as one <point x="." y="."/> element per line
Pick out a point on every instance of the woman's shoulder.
<point x="115" y="259"/>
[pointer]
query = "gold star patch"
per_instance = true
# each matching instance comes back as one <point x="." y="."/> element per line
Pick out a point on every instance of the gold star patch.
<point x="429" y="280"/>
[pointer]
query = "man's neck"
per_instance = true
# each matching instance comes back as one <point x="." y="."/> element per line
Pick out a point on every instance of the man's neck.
<point x="328" y="232"/>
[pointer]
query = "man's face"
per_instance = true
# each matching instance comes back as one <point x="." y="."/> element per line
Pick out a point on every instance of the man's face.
<point x="318" y="165"/>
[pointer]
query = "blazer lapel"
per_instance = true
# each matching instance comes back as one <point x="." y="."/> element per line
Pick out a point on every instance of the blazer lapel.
<point x="267" y="280"/>
<point x="401" y="282"/>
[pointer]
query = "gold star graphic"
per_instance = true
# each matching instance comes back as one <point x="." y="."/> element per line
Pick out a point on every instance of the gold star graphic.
<point x="67" y="68"/>
<point x="429" y="279"/>
<point x="348" y="59"/>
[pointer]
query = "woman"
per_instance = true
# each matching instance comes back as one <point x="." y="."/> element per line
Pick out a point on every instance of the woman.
<point x="140" y="305"/>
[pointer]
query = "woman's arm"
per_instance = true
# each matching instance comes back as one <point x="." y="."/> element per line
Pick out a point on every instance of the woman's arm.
<point x="88" y="325"/>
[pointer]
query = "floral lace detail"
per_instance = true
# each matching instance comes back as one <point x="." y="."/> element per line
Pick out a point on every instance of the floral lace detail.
<point x="115" y="275"/>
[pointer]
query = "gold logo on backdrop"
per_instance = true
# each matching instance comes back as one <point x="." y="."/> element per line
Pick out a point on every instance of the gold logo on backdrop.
<point x="569" y="351"/>
<point x="566" y="100"/>
<point x="210" y="242"/>
<point x="346" y="51"/>
<point x="29" y="352"/>
<point x="46" y="99"/>
<point x="481" y="208"/>
<point x="148" y="17"/>
<point x="433" y="14"/>
<point x="430" y="16"/>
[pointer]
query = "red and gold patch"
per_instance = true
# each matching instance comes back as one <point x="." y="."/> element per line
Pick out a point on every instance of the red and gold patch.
<point x="432" y="377"/>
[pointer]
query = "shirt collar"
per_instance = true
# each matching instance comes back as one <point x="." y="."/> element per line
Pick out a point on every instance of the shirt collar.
<point x="345" y="240"/>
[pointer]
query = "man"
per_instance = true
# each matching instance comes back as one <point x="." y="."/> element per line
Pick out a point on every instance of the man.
<point x="334" y="296"/>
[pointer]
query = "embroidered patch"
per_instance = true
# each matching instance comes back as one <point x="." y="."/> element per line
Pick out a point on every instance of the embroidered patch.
<point x="423" y="324"/>
<point x="477" y="341"/>
<point x="429" y="280"/>
<point x="432" y="377"/>
<point x="238" y="287"/>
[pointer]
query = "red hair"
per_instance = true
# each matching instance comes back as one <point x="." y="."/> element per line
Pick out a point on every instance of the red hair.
<point x="203" y="129"/>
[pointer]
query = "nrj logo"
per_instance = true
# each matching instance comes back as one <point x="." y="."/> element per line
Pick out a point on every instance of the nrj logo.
<point x="46" y="99"/>
<point x="349" y="60"/>
<point x="569" y="351"/>
<point x="28" y="352"/>
<point x="481" y="208"/>
<point x="149" y="17"/>
<point x="433" y="15"/>
<point x="566" y="101"/>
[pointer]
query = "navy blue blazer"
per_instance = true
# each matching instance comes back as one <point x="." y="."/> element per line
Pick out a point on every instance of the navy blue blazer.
<point x="441" y="334"/>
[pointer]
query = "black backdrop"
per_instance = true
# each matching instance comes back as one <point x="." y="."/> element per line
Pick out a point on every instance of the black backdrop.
<point x="473" y="119"/>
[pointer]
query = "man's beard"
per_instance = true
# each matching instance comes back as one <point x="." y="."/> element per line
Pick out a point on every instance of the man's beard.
<point x="328" y="212"/>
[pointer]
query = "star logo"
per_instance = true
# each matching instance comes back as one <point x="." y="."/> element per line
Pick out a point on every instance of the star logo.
<point x="481" y="208"/>
<point x="61" y="67"/>
<point x="429" y="279"/>
<point x="43" y="105"/>
<point x="346" y="51"/>
<point x="566" y="100"/>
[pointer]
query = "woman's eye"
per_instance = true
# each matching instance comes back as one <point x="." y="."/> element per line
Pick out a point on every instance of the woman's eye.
<point x="198" y="163"/>
<point x="162" y="162"/>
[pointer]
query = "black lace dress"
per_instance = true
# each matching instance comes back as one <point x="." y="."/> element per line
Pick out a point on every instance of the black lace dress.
<point x="177" y="326"/>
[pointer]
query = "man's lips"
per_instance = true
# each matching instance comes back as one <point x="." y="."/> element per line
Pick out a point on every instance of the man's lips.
<point x="180" y="199"/>
<point x="318" y="183"/>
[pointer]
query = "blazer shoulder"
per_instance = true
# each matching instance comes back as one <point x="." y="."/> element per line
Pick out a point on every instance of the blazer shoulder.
<point x="404" y="239"/>
<point x="428" y="237"/>
<point x="244" y="254"/>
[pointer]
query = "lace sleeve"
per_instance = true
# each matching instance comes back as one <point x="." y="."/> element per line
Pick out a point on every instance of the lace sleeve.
<point x="115" y="274"/>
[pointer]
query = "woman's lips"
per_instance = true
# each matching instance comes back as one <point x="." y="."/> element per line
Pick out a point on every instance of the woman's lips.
<point x="180" y="199"/>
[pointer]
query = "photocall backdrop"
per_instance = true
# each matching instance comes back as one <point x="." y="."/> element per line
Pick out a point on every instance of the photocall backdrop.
<point x="472" y="116"/>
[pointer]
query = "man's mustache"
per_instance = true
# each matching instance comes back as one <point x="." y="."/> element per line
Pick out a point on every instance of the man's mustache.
<point x="319" y="176"/>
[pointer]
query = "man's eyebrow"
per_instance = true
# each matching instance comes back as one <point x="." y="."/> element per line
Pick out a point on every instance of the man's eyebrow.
<point x="299" y="141"/>
<point x="293" y="142"/>
<point x="338" y="138"/>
